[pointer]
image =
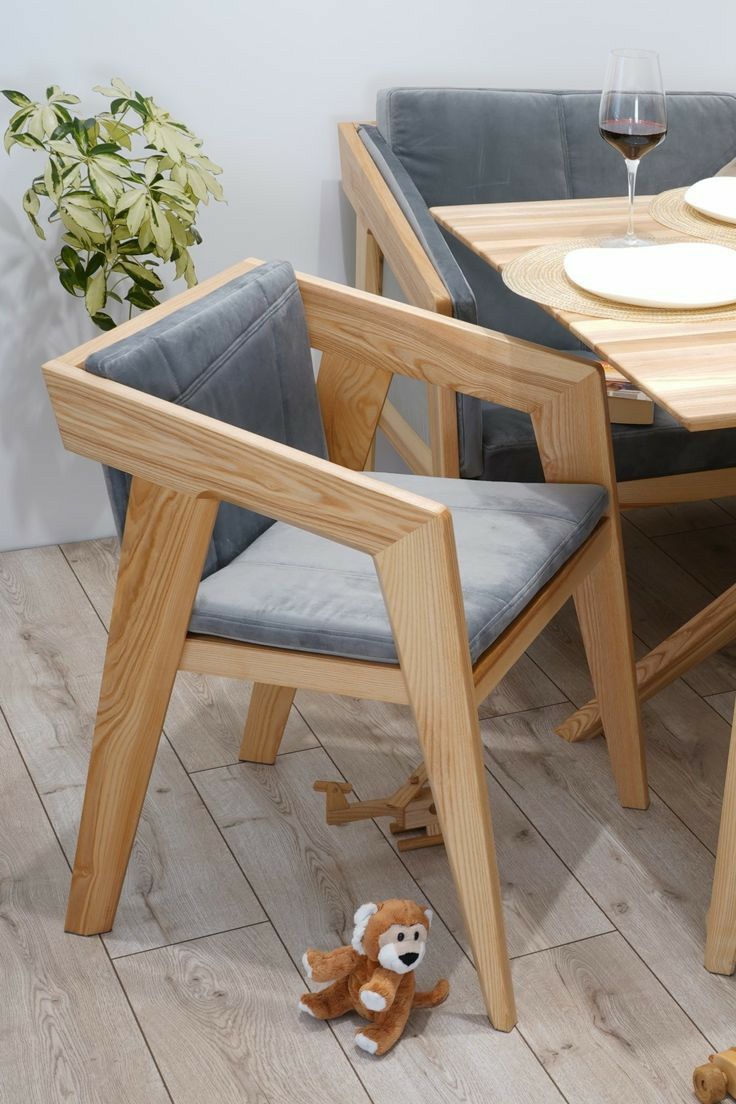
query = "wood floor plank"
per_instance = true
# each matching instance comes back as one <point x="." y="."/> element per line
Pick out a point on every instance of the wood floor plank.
<point x="659" y="521"/>
<point x="646" y="870"/>
<point x="66" y="1031"/>
<point x="375" y="747"/>
<point x="206" y="715"/>
<point x="723" y="704"/>
<point x="664" y="595"/>
<point x="310" y="879"/>
<point x="604" y="1028"/>
<point x="687" y="743"/>
<point x="182" y="881"/>
<point x="710" y="557"/>
<point x="220" y="1015"/>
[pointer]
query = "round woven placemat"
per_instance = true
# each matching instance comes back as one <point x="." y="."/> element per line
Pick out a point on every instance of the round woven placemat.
<point x="671" y="210"/>
<point x="540" y="275"/>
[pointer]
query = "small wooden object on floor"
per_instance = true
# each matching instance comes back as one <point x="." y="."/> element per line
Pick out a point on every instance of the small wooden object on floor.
<point x="411" y="806"/>
<point x="717" y="1078"/>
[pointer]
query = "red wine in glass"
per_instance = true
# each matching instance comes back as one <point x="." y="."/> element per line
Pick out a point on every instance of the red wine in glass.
<point x="633" y="116"/>
<point x="633" y="137"/>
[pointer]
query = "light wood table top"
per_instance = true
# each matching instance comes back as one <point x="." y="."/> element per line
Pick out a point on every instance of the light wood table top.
<point x="689" y="368"/>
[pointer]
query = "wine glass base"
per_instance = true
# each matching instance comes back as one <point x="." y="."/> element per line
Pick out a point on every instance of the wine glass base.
<point x="627" y="241"/>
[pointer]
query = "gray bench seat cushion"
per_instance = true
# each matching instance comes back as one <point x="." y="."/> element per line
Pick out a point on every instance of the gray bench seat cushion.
<point x="640" y="452"/>
<point x="291" y="589"/>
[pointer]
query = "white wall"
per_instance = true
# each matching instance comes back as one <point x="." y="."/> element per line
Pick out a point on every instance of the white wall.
<point x="264" y="83"/>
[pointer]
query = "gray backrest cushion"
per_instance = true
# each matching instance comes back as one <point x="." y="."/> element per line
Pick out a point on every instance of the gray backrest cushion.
<point x="483" y="145"/>
<point x="241" y="355"/>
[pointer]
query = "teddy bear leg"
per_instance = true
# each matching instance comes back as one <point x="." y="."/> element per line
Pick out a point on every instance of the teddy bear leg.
<point x="379" y="1038"/>
<point x="432" y="997"/>
<point x="333" y="1001"/>
<point x="329" y="965"/>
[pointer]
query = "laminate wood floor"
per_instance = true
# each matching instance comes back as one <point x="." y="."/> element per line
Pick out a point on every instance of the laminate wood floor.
<point x="192" y="997"/>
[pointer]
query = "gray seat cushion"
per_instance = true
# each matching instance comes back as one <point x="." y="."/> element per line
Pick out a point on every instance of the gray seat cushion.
<point x="640" y="452"/>
<point x="484" y="145"/>
<point x="241" y="355"/>
<point x="290" y="589"/>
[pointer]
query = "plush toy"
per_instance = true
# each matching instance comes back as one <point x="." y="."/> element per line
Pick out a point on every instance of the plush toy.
<point x="375" y="974"/>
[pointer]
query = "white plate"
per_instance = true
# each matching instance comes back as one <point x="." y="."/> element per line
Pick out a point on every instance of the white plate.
<point x="678" y="276"/>
<point x="714" y="197"/>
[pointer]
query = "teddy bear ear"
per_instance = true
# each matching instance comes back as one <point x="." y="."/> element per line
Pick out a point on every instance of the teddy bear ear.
<point x="361" y="918"/>
<point x="430" y="916"/>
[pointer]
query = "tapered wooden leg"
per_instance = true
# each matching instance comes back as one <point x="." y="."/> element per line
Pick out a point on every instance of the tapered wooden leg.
<point x="720" y="946"/>
<point x="421" y="586"/>
<point x="603" y="611"/>
<point x="164" y="546"/>
<point x="268" y="713"/>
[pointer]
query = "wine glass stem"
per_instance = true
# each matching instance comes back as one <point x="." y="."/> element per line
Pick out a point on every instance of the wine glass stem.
<point x="631" y="169"/>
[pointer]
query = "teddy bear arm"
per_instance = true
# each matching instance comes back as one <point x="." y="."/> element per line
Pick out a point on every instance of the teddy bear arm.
<point x="379" y="992"/>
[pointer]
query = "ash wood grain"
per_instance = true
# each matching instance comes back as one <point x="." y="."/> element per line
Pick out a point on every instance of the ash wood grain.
<point x="413" y="450"/>
<point x="604" y="1028"/>
<point x="268" y="713"/>
<point x="220" y="1016"/>
<point x="376" y="208"/>
<point x="201" y="457"/>
<point x="420" y="581"/>
<point x="205" y="715"/>
<point x="374" y="746"/>
<point x="67" y="1031"/>
<point x="690" y="487"/>
<point x="688" y="368"/>
<point x="647" y="872"/>
<point x="163" y="550"/>
<point x="53" y="646"/>
<point x="720" y="947"/>
<point x="275" y="824"/>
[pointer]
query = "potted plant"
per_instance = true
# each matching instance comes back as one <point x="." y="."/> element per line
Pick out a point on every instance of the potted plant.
<point x="125" y="185"/>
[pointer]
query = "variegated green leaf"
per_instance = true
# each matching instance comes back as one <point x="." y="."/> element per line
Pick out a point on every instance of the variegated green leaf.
<point x="96" y="293"/>
<point x="137" y="211"/>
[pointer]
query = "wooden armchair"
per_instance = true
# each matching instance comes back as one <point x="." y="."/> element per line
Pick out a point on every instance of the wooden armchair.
<point x="165" y="398"/>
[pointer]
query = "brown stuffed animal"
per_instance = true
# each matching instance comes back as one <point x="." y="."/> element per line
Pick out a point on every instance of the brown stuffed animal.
<point x="375" y="975"/>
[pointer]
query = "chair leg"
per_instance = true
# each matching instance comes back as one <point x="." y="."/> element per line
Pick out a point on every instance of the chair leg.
<point x="164" y="546"/>
<point x="268" y="713"/>
<point x="720" y="946"/>
<point x="603" y="611"/>
<point x="421" y="586"/>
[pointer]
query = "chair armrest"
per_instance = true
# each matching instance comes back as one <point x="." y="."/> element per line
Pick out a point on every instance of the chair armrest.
<point x="200" y="456"/>
<point x="425" y="228"/>
<point x="456" y="355"/>
<point x="374" y="203"/>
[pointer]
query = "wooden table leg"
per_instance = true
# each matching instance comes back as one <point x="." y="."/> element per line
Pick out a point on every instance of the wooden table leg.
<point x="720" y="946"/>
<point x="709" y="630"/>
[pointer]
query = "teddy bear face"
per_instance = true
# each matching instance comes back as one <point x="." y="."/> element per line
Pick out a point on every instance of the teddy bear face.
<point x="401" y="948"/>
<point x="392" y="933"/>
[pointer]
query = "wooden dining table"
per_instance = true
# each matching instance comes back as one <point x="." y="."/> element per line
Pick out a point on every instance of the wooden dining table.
<point x="689" y="368"/>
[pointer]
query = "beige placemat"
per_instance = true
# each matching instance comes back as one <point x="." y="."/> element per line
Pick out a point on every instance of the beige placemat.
<point x="670" y="209"/>
<point x="539" y="275"/>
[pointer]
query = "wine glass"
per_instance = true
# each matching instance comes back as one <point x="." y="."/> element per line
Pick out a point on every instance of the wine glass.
<point x="633" y="117"/>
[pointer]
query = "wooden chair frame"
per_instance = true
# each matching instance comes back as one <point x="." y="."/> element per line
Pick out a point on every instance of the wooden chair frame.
<point x="184" y="464"/>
